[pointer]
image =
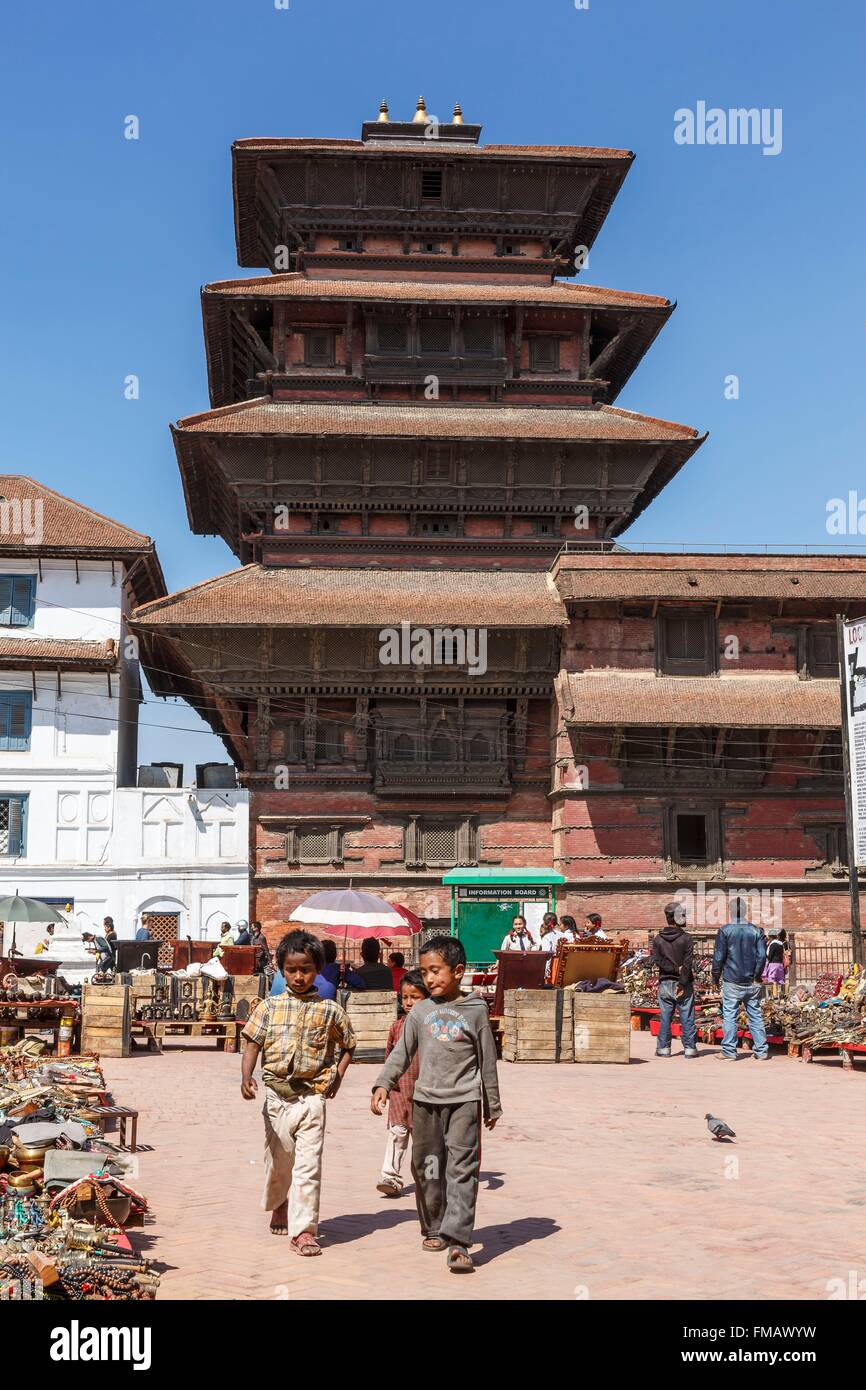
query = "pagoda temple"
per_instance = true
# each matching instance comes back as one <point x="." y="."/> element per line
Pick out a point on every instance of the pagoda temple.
<point x="414" y="430"/>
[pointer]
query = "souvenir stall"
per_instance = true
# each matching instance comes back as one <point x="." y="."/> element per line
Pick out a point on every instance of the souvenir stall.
<point x="66" y="1203"/>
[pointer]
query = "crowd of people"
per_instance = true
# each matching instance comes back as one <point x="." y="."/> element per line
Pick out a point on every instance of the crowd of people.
<point x="551" y="931"/>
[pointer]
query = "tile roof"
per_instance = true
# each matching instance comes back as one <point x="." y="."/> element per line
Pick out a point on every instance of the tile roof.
<point x="68" y="528"/>
<point x="49" y="651"/>
<point x="263" y="415"/>
<point x="717" y="701"/>
<point x="559" y="294"/>
<point x="66" y="524"/>
<point x="289" y="597"/>
<point x="584" y="578"/>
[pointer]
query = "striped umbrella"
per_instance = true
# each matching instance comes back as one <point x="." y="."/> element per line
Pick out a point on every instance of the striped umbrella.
<point x="354" y="914"/>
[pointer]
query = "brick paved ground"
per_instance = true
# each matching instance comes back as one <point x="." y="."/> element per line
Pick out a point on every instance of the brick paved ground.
<point x="599" y="1178"/>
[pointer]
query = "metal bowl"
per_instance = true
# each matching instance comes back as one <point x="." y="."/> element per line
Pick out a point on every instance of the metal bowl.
<point x="24" y="1154"/>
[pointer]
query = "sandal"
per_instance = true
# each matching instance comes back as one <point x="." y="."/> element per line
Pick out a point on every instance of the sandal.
<point x="460" y="1260"/>
<point x="306" y="1244"/>
<point x="434" y="1243"/>
<point x="389" y="1187"/>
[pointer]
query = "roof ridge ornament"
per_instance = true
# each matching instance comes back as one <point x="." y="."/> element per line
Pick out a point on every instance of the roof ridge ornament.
<point x="421" y="116"/>
<point x="383" y="118"/>
<point x="457" y="118"/>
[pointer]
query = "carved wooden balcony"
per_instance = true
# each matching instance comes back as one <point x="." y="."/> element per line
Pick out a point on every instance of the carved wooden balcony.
<point x="410" y="778"/>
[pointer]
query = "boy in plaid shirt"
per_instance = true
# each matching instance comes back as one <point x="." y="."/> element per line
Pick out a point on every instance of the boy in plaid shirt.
<point x="306" y="1044"/>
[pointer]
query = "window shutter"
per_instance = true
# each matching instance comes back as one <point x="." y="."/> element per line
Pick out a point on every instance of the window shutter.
<point x="822" y="652"/>
<point x="16" y="825"/>
<point x="431" y="184"/>
<point x="5" y="601"/>
<point x="12" y="825"/>
<point x="15" y="720"/>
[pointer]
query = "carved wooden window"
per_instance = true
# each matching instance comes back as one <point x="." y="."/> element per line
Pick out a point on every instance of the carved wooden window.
<point x="545" y="526"/>
<point x="442" y="749"/>
<point x="440" y="843"/>
<point x="833" y="840"/>
<point x="438" y="464"/>
<point x="691" y="749"/>
<point x="745" y="751"/>
<point x="293" y="742"/>
<point x="480" y="748"/>
<point x="693" y="836"/>
<point x="329" y="742"/>
<point x="437" y="526"/>
<point x="431" y="185"/>
<point x="404" y="749"/>
<point x="434" y="336"/>
<point x="391" y="335"/>
<point x="479" y="337"/>
<point x="314" y="844"/>
<point x="544" y="354"/>
<point x="350" y="243"/>
<point x="645" y="747"/>
<point x="829" y="759"/>
<point x="319" y="348"/>
<point x="431" y="248"/>
<point x="822" y="652"/>
<point x="685" y="643"/>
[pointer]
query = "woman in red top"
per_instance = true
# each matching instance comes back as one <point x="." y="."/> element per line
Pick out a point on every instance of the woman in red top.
<point x="400" y="1100"/>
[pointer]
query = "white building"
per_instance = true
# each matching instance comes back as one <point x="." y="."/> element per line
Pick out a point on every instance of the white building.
<point x="74" y="825"/>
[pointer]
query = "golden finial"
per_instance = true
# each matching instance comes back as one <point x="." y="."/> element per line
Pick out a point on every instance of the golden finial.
<point x="383" y="112"/>
<point x="420" y="117"/>
<point x="457" y="118"/>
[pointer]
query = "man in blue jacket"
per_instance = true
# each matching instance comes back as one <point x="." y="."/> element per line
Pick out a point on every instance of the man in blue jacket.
<point x="738" y="961"/>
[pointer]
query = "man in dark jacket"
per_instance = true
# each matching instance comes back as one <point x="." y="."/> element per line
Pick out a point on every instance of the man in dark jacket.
<point x="672" y="952"/>
<point x="738" y="962"/>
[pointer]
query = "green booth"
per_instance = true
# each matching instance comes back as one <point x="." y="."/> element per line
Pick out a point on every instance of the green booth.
<point x="483" y="902"/>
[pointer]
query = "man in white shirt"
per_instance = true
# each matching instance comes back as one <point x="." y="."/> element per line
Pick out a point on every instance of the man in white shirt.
<point x="518" y="939"/>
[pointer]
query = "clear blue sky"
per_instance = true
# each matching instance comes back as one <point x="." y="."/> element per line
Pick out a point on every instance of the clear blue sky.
<point x="104" y="242"/>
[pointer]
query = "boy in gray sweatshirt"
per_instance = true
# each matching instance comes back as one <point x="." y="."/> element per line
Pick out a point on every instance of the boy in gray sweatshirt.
<point x="456" y="1084"/>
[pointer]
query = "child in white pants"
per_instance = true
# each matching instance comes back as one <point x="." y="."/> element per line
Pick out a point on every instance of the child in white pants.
<point x="400" y="1100"/>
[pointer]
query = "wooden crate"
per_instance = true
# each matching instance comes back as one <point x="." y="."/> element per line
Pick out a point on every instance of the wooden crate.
<point x="371" y="1013"/>
<point x="602" y="1027"/>
<point x="105" y="1020"/>
<point x="537" y="1025"/>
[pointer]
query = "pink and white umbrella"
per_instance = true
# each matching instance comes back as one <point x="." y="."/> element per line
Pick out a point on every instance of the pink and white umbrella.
<point x="354" y="914"/>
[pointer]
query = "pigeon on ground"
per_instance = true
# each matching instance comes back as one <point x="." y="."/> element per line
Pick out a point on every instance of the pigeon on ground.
<point x="718" y="1129"/>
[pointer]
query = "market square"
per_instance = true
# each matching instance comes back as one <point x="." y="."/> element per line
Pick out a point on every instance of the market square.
<point x="432" y="674"/>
